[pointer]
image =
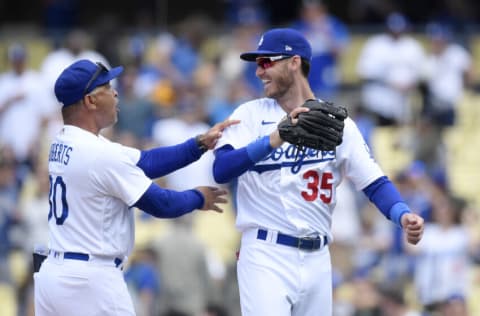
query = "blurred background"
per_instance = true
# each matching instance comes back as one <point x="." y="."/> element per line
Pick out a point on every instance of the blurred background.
<point x="408" y="72"/>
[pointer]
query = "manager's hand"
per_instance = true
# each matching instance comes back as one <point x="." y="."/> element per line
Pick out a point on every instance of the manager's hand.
<point x="212" y="197"/>
<point x="210" y="138"/>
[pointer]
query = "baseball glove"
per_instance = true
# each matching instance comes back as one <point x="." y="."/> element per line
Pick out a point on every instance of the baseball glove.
<point x="320" y="128"/>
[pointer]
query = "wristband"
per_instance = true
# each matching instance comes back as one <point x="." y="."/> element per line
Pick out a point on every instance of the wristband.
<point x="201" y="146"/>
<point x="258" y="149"/>
<point x="396" y="212"/>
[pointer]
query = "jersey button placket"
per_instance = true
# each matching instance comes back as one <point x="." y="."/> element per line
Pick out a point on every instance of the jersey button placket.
<point x="286" y="178"/>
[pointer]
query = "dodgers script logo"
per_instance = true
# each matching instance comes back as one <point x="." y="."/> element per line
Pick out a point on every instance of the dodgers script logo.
<point x="291" y="158"/>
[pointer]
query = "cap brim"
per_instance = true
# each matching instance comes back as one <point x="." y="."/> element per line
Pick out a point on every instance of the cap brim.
<point x="111" y="74"/>
<point x="251" y="56"/>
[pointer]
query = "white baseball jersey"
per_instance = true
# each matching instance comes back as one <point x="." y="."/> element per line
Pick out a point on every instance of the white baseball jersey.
<point x="390" y="63"/>
<point x="295" y="197"/>
<point x="445" y="73"/>
<point x="93" y="181"/>
<point x="442" y="265"/>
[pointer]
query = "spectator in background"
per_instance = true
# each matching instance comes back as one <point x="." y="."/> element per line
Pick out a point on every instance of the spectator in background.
<point x="136" y="114"/>
<point x="236" y="92"/>
<point x="454" y="306"/>
<point x="33" y="205"/>
<point x="24" y="107"/>
<point x="390" y="66"/>
<point x="215" y="310"/>
<point x="33" y="202"/>
<point x="367" y="297"/>
<point x="186" y="56"/>
<point x="77" y="45"/>
<point x="372" y="243"/>
<point x="189" y="118"/>
<point x="173" y="312"/>
<point x="247" y="20"/>
<point x="442" y="258"/>
<point x="418" y="190"/>
<point x="392" y="302"/>
<point x="157" y="77"/>
<point x="182" y="265"/>
<point x="8" y="210"/>
<point x="447" y="71"/>
<point x="329" y="38"/>
<point x="143" y="281"/>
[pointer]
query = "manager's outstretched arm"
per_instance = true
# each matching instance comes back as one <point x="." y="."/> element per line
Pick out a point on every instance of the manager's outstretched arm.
<point x="163" y="203"/>
<point x="160" y="161"/>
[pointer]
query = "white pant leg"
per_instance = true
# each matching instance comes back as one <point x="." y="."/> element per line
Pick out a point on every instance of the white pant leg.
<point x="317" y="299"/>
<point x="74" y="287"/>
<point x="278" y="280"/>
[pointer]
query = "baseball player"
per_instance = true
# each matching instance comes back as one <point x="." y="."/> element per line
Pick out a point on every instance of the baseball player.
<point x="285" y="204"/>
<point x="94" y="183"/>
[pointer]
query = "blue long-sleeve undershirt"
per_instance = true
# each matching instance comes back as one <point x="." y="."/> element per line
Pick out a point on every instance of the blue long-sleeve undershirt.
<point x="387" y="199"/>
<point x="160" y="161"/>
<point x="165" y="203"/>
<point x="231" y="163"/>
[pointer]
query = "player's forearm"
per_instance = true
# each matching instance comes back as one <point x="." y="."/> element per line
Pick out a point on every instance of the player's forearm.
<point x="160" y="161"/>
<point x="165" y="203"/>
<point x="275" y="139"/>
<point x="230" y="163"/>
<point x="387" y="199"/>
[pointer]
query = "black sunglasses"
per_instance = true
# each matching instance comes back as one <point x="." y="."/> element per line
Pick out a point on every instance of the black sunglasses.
<point x="100" y="68"/>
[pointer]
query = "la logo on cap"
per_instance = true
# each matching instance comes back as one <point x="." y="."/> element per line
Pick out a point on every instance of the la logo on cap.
<point x="288" y="48"/>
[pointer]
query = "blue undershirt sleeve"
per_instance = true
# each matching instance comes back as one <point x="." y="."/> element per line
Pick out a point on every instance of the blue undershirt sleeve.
<point x="387" y="199"/>
<point x="160" y="161"/>
<point x="163" y="203"/>
<point x="258" y="149"/>
<point x="230" y="163"/>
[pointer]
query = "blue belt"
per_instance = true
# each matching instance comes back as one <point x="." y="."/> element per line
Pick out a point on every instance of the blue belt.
<point x="304" y="243"/>
<point x="84" y="257"/>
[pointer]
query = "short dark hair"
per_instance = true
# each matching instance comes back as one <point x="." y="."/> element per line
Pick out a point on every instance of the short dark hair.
<point x="69" y="112"/>
<point x="305" y="67"/>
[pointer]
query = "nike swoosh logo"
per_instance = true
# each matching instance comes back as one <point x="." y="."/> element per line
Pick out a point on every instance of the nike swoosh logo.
<point x="267" y="122"/>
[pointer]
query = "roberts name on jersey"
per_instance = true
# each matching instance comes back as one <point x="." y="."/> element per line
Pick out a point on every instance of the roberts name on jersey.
<point x="60" y="153"/>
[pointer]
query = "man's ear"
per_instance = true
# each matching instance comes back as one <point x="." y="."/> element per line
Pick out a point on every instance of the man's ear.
<point x="297" y="62"/>
<point x="89" y="101"/>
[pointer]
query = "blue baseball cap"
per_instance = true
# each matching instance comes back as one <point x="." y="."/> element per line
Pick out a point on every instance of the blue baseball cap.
<point x="396" y="22"/>
<point x="439" y="31"/>
<point x="80" y="78"/>
<point x="283" y="41"/>
<point x="17" y="52"/>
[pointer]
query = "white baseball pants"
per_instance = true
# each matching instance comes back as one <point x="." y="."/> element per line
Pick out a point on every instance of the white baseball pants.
<point x="74" y="287"/>
<point x="279" y="280"/>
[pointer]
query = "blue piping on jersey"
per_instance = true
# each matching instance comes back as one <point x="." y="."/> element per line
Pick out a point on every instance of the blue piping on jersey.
<point x="295" y="165"/>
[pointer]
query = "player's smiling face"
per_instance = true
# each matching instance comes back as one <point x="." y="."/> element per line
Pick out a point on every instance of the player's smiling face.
<point x="275" y="75"/>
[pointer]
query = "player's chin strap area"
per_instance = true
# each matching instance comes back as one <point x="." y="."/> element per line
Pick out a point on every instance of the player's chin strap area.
<point x="302" y="243"/>
<point x="101" y="260"/>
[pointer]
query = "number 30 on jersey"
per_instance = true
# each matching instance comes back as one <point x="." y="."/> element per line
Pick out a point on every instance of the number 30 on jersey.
<point x="57" y="199"/>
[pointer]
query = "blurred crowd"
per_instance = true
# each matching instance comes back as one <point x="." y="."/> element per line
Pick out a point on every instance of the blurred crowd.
<point x="179" y="82"/>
